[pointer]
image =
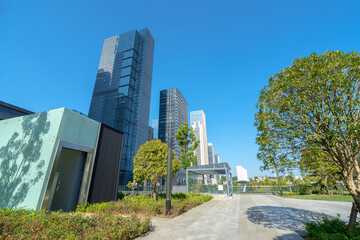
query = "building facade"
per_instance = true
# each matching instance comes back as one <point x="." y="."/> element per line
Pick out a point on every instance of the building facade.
<point x="61" y="158"/>
<point x="172" y="114"/>
<point x="211" y="153"/>
<point x="9" y="111"/>
<point x="155" y="126"/>
<point x="198" y="123"/>
<point x="217" y="158"/>
<point x="121" y="97"/>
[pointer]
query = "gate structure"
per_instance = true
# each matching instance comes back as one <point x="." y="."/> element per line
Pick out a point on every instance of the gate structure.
<point x="213" y="169"/>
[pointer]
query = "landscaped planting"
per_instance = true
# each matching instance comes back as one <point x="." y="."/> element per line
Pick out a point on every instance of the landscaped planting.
<point x="338" y="198"/>
<point x="146" y="206"/>
<point x="126" y="218"/>
<point x="331" y="229"/>
<point x="28" y="224"/>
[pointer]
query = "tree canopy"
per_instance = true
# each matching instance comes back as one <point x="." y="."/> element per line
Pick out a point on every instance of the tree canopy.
<point x="150" y="163"/>
<point x="188" y="143"/>
<point x="315" y="103"/>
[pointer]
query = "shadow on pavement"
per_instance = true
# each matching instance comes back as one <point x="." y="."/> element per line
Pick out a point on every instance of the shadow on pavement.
<point x="290" y="236"/>
<point x="282" y="217"/>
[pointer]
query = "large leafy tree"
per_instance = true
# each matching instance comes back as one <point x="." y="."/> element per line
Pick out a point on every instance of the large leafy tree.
<point x="188" y="143"/>
<point x="316" y="102"/>
<point x="150" y="164"/>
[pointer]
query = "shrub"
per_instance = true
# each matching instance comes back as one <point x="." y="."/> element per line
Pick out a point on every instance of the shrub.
<point x="28" y="224"/>
<point x="145" y="205"/>
<point x="331" y="229"/>
<point x="306" y="190"/>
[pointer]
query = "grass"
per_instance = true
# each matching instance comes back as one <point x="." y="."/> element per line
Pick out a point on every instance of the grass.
<point x="338" y="198"/>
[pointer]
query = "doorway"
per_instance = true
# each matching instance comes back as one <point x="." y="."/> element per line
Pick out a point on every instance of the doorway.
<point x="65" y="187"/>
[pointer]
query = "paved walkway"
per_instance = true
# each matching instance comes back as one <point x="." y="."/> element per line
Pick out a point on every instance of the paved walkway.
<point x="247" y="217"/>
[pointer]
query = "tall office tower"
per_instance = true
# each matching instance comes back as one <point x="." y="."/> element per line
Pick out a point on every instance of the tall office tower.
<point x="150" y="134"/>
<point x="155" y="126"/>
<point x="198" y="123"/>
<point x="211" y="153"/>
<point x="217" y="158"/>
<point x="121" y="97"/>
<point x="173" y="113"/>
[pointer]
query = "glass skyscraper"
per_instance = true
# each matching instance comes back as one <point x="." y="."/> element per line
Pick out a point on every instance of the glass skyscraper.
<point x="198" y="123"/>
<point x="155" y="126"/>
<point x="172" y="114"/>
<point x="121" y="97"/>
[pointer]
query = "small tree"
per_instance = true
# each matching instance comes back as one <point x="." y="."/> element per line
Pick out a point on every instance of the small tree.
<point x="188" y="143"/>
<point x="317" y="164"/>
<point x="316" y="102"/>
<point x="150" y="164"/>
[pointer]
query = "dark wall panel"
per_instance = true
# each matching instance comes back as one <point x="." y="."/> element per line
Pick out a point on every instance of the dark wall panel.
<point x="105" y="177"/>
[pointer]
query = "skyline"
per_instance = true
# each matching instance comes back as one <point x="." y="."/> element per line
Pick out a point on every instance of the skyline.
<point x="219" y="56"/>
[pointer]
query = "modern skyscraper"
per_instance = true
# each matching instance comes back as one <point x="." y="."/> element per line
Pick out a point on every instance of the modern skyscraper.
<point x="172" y="114"/>
<point x="121" y="97"/>
<point x="155" y="126"/>
<point x="211" y="153"/>
<point x="198" y="123"/>
<point x="217" y="158"/>
<point x="150" y="133"/>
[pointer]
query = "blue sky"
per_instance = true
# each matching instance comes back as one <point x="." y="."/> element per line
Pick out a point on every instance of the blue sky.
<point x="219" y="54"/>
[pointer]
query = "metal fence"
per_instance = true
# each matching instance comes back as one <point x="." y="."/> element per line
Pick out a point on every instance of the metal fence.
<point x="264" y="189"/>
<point x="286" y="189"/>
<point x="147" y="190"/>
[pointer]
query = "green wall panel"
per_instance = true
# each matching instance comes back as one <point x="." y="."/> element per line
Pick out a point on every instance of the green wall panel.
<point x="26" y="148"/>
<point x="78" y="129"/>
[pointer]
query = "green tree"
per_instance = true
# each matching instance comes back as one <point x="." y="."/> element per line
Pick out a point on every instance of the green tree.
<point x="188" y="143"/>
<point x="316" y="102"/>
<point x="150" y="164"/>
<point x="318" y="166"/>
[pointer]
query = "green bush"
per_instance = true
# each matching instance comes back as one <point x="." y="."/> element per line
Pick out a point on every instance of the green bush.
<point x="146" y="205"/>
<point x="28" y="224"/>
<point x="331" y="229"/>
<point x="305" y="190"/>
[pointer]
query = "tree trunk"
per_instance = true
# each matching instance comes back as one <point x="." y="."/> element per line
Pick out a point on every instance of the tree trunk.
<point x="353" y="214"/>
<point x="355" y="193"/>
<point x="278" y="178"/>
<point x="154" y="194"/>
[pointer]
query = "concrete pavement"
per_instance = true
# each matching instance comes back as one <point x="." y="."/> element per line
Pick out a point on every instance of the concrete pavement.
<point x="247" y="217"/>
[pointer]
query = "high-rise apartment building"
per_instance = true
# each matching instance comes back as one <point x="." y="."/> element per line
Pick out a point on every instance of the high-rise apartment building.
<point x="211" y="153"/>
<point x="121" y="97"/>
<point x="172" y="114"/>
<point x="198" y="123"/>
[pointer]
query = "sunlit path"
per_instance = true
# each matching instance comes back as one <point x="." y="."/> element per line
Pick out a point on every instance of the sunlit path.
<point x="247" y="217"/>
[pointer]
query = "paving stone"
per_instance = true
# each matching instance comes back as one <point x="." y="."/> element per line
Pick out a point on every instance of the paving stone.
<point x="247" y="217"/>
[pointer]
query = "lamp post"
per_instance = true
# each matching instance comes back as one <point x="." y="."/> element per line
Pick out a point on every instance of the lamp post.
<point x="168" y="178"/>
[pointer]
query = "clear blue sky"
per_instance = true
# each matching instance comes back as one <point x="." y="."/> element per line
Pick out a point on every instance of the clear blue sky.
<point x="219" y="54"/>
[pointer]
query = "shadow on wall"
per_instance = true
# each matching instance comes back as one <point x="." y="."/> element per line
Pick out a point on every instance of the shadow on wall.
<point x="282" y="217"/>
<point x="18" y="157"/>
